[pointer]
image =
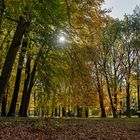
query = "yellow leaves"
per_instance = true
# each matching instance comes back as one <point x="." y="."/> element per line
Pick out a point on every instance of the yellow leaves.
<point x="87" y="21"/>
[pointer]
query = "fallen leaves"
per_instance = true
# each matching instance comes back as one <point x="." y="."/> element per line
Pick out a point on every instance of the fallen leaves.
<point x="70" y="129"/>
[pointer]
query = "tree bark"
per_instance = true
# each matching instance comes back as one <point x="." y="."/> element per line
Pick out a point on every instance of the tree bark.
<point x="25" y="101"/>
<point x="59" y="111"/>
<point x="128" y="99"/>
<point x="63" y="112"/>
<point x="100" y="93"/>
<point x="115" y="87"/>
<point x="79" y="111"/>
<point x="86" y="112"/>
<point x="3" y="109"/>
<point x="128" y="113"/>
<point x="55" y="112"/>
<point x="11" y="55"/>
<point x="2" y="7"/>
<point x="109" y="93"/>
<point x="138" y="84"/>
<point x="26" y="83"/>
<point x="18" y="78"/>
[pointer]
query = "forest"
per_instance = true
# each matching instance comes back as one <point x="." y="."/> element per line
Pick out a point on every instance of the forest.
<point x="68" y="71"/>
<point x="68" y="58"/>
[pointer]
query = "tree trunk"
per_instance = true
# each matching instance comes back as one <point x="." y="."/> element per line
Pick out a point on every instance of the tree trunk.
<point x="26" y="83"/>
<point x="79" y="111"/>
<point x="138" y="84"/>
<point x="3" y="109"/>
<point x="11" y="55"/>
<point x="128" y="113"/>
<point x="25" y="101"/>
<point x="2" y="7"/>
<point x="109" y="93"/>
<point x="110" y="97"/>
<point x="35" y="104"/>
<point x="59" y="111"/>
<point x="55" y="112"/>
<point x="103" y="113"/>
<point x="100" y="93"/>
<point x="63" y="112"/>
<point x="86" y="112"/>
<point x="115" y="89"/>
<point x="69" y="113"/>
<point x="138" y="88"/>
<point x="128" y="99"/>
<point x="18" y="78"/>
<point x="52" y="114"/>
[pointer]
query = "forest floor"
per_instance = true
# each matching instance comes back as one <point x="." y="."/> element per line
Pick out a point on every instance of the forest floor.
<point x="69" y="129"/>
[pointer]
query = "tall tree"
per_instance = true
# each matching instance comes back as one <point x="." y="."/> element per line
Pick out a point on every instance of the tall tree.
<point x="18" y="77"/>
<point x="28" y="88"/>
<point x="100" y="90"/>
<point x="11" y="55"/>
<point x="131" y="53"/>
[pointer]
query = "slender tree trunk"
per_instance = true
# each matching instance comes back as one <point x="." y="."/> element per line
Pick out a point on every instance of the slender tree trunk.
<point x="110" y="97"/>
<point x="138" y="88"/>
<point x="115" y="88"/>
<point x="2" y="7"/>
<point x="52" y="114"/>
<point x="59" y="111"/>
<point x="100" y="93"/>
<point x="4" y="103"/>
<point x="128" y="113"/>
<point x="26" y="83"/>
<point x="34" y="104"/>
<point x="86" y="112"/>
<point x="3" y="109"/>
<point x="42" y="112"/>
<point x="103" y="113"/>
<point x="63" y="112"/>
<point x="128" y="99"/>
<point x="69" y="113"/>
<point x="25" y="101"/>
<point x="79" y="111"/>
<point x="114" y="56"/>
<point x="138" y="85"/>
<point x="55" y="112"/>
<point x="11" y="55"/>
<point x="18" y="78"/>
<point x="53" y="102"/>
<point x="109" y="93"/>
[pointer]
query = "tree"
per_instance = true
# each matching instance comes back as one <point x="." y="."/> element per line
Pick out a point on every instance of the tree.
<point x="18" y="77"/>
<point x="99" y="85"/>
<point x="10" y="57"/>
<point x="129" y="35"/>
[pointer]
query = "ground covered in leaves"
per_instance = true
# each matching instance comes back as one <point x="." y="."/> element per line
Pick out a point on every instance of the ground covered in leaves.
<point x="69" y="129"/>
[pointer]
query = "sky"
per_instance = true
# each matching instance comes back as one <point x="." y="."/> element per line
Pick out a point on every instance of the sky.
<point x="121" y="7"/>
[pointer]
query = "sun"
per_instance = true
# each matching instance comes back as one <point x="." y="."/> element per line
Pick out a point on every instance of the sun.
<point x="62" y="39"/>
